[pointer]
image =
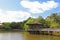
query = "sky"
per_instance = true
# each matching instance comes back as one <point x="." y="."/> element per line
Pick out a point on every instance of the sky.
<point x="20" y="10"/>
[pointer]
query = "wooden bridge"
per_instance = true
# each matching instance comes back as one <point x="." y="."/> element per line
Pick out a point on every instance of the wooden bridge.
<point x="42" y="30"/>
<point x="45" y="29"/>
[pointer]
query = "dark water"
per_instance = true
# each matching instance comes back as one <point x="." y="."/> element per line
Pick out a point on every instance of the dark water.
<point x="26" y="36"/>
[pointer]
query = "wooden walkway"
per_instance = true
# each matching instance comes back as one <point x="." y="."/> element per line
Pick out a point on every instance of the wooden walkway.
<point x="45" y="29"/>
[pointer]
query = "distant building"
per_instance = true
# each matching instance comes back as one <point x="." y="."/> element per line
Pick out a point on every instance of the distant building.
<point x="0" y="23"/>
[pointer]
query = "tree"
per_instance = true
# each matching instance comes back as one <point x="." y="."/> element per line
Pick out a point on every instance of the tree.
<point x="20" y="25"/>
<point x="29" y="20"/>
<point x="42" y="21"/>
<point x="16" y="25"/>
<point x="6" y="25"/>
<point x="13" y="25"/>
<point x="53" y="20"/>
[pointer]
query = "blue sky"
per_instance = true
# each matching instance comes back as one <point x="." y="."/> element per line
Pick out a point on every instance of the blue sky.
<point x="19" y="10"/>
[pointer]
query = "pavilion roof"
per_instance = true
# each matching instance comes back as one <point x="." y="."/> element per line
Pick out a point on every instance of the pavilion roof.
<point x="34" y="23"/>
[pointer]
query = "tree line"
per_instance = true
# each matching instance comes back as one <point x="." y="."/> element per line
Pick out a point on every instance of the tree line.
<point x="52" y="21"/>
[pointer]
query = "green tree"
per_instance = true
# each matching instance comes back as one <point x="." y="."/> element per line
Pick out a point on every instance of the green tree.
<point x="13" y="25"/>
<point x="29" y="20"/>
<point x="53" y="20"/>
<point x="6" y="25"/>
<point x="20" y="25"/>
<point x="16" y="25"/>
<point x="42" y="21"/>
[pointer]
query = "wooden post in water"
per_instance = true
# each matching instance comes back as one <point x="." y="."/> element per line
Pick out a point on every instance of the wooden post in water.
<point x="51" y="32"/>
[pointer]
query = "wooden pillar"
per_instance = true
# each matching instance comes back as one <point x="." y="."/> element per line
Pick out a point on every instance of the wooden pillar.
<point x="51" y="32"/>
<point x="48" y="32"/>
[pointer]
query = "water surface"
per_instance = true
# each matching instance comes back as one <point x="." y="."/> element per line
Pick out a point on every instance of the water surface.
<point x="11" y="36"/>
<point x="26" y="36"/>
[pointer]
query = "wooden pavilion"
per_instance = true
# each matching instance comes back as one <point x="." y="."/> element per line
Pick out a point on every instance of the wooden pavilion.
<point x="34" y="27"/>
<point x="37" y="28"/>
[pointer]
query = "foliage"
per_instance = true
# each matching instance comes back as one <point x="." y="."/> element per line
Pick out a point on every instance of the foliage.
<point x="42" y="21"/>
<point x="29" y="20"/>
<point x="5" y="25"/>
<point x="53" y="20"/>
<point x="16" y="25"/>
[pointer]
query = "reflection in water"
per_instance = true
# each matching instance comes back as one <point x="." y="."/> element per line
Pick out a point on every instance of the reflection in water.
<point x="11" y="36"/>
<point x="41" y="37"/>
<point x="26" y="36"/>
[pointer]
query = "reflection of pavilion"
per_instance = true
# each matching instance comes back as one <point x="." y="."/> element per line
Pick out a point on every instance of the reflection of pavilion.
<point x="38" y="28"/>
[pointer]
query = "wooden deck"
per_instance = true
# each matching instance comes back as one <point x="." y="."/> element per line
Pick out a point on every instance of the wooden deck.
<point x="45" y="29"/>
<point x="49" y="31"/>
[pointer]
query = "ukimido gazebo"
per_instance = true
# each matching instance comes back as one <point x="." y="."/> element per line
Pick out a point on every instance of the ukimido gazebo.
<point x="34" y="27"/>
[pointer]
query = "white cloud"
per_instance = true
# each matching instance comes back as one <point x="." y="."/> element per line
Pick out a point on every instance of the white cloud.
<point x="37" y="7"/>
<point x="16" y="16"/>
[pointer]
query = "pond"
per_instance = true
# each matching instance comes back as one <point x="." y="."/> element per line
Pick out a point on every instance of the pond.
<point x="11" y="36"/>
<point x="26" y="36"/>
